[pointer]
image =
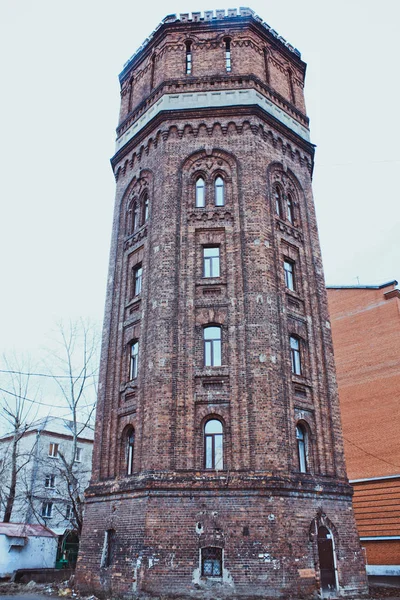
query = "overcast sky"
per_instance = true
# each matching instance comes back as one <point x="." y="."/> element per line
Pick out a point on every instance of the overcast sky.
<point x="59" y="110"/>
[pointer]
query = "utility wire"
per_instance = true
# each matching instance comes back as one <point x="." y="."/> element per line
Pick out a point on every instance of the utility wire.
<point x="38" y="401"/>
<point x="370" y="453"/>
<point x="42" y="374"/>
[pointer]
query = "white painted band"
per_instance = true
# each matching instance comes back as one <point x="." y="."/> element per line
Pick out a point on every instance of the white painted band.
<point x="383" y="570"/>
<point x="212" y="99"/>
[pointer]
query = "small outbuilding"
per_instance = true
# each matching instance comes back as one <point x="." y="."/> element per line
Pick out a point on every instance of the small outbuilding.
<point x="26" y="546"/>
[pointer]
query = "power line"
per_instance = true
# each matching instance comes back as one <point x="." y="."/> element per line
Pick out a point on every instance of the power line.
<point x="370" y="453"/>
<point x="38" y="401"/>
<point x="11" y="372"/>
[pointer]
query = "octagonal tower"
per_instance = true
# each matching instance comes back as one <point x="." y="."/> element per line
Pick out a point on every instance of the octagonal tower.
<point x="218" y="459"/>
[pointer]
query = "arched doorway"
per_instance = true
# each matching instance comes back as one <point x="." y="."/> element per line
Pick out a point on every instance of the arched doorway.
<point x="327" y="563"/>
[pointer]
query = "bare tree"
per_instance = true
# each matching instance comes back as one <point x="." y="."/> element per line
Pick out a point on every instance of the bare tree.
<point x="74" y="368"/>
<point x="17" y="413"/>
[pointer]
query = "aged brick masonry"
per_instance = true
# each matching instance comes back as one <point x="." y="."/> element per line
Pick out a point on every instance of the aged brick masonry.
<point x="218" y="460"/>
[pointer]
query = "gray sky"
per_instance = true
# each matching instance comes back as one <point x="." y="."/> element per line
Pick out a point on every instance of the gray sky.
<point x="59" y="110"/>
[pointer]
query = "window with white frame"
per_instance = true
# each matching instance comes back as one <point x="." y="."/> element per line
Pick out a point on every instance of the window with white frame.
<point x="211" y="261"/>
<point x="288" y="267"/>
<point x="295" y="355"/>
<point x="212" y="346"/>
<point x="53" y="450"/>
<point x="301" y="438"/>
<point x="213" y="445"/>
<point x="200" y="193"/>
<point x="219" y="186"/>
<point x="133" y="359"/>
<point x="50" y="482"/>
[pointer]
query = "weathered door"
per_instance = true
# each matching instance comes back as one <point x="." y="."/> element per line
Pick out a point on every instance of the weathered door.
<point x="326" y="560"/>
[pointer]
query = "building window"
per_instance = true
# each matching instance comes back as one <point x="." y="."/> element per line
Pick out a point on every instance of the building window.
<point x="288" y="267"/>
<point x="295" y="355"/>
<point x="47" y="509"/>
<point x="53" y="450"/>
<point x="211" y="562"/>
<point x="219" y="192"/>
<point x="130" y="446"/>
<point x="212" y="346"/>
<point x="133" y="359"/>
<point x="211" y="261"/>
<point x="228" y="64"/>
<point x="78" y="455"/>
<point x="137" y="280"/>
<point x="135" y="217"/>
<point x="278" y="202"/>
<point x="108" y="548"/>
<point x="200" y="193"/>
<point x="213" y="445"/>
<point x="68" y="511"/>
<point x="301" y="437"/>
<point x="50" y="482"/>
<point x="145" y="209"/>
<point x="289" y="208"/>
<point x="188" y="58"/>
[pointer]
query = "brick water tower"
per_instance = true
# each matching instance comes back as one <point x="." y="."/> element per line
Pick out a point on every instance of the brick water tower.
<point x="218" y="461"/>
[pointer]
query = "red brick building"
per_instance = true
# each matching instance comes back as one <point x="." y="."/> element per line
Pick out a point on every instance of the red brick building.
<point x="366" y="336"/>
<point x="218" y="461"/>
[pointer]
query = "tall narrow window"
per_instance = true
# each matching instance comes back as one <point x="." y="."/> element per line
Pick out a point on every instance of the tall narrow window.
<point x="301" y="437"/>
<point x="188" y="58"/>
<point x="129" y="451"/>
<point x="108" y="548"/>
<point x="295" y="355"/>
<point x="145" y="209"/>
<point x="78" y="455"/>
<point x="278" y="201"/>
<point x="137" y="280"/>
<point x="219" y="192"/>
<point x="211" y="261"/>
<point x="211" y="562"/>
<point x="213" y="445"/>
<point x="200" y="195"/>
<point x="288" y="267"/>
<point x="289" y="208"/>
<point x="212" y="346"/>
<point x="228" y="64"/>
<point x="135" y="217"/>
<point x="133" y="360"/>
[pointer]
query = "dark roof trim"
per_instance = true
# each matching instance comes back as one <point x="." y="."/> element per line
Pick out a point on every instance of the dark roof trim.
<point x="361" y="287"/>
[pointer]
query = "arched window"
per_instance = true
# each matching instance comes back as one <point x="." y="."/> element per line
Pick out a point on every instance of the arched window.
<point x="295" y="354"/>
<point x="188" y="58"/>
<point x="130" y="446"/>
<point x="278" y="201"/>
<point x="228" y="64"/>
<point x="212" y="346"/>
<point x="219" y="191"/>
<point x="133" y="359"/>
<point x="301" y="437"/>
<point x="213" y="445"/>
<point x="145" y="209"/>
<point x="200" y="193"/>
<point x="289" y="208"/>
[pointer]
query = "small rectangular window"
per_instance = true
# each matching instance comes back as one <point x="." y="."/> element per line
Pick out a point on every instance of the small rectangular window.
<point x="78" y="455"/>
<point x="188" y="58"/>
<point x="68" y="511"/>
<point x="53" y="450"/>
<point x="50" y="481"/>
<point x="288" y="267"/>
<point x="47" y="509"/>
<point x="211" y="562"/>
<point x="211" y="261"/>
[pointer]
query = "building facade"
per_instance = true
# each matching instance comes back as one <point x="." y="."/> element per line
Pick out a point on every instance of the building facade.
<point x="366" y="336"/>
<point x="44" y="492"/>
<point x="218" y="463"/>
